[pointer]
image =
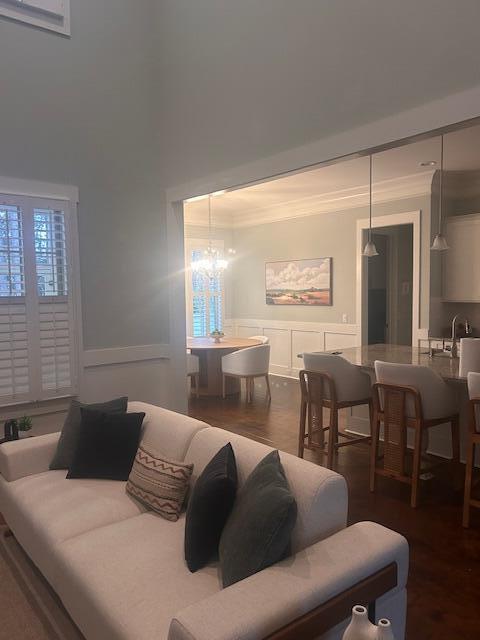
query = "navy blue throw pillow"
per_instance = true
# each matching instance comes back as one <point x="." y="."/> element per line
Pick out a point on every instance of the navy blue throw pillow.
<point x="209" y="506"/>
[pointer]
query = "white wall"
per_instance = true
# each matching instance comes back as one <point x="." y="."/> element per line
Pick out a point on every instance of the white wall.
<point x="325" y="235"/>
<point x="244" y="80"/>
<point x="130" y="105"/>
<point x="81" y="111"/>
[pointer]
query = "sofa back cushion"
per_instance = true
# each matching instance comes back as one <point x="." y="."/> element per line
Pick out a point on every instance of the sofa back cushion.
<point x="165" y="431"/>
<point x="321" y="494"/>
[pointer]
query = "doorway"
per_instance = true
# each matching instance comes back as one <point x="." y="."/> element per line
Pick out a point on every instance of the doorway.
<point x="389" y="285"/>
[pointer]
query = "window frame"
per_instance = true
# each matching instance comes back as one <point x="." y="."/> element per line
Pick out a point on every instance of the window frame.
<point x="29" y="195"/>
<point x="38" y="16"/>
<point x="190" y="245"/>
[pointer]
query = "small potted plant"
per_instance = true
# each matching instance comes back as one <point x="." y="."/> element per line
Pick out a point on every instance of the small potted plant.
<point x="217" y="335"/>
<point x="25" y="423"/>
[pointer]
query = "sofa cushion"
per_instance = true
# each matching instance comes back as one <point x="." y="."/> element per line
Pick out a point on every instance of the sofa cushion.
<point x="259" y="529"/>
<point x="128" y="580"/>
<point x="45" y="509"/>
<point x="161" y="484"/>
<point x="321" y="494"/>
<point x="106" y="445"/>
<point x="167" y="431"/>
<point x="209" y="506"/>
<point x="71" y="429"/>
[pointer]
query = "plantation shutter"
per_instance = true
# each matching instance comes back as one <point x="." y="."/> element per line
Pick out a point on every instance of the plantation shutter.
<point x="205" y="296"/>
<point x="51" y="262"/>
<point x="14" y="377"/>
<point x="37" y="336"/>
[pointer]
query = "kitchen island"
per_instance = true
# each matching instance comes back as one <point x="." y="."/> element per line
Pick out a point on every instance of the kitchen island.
<point x="448" y="368"/>
<point x="366" y="355"/>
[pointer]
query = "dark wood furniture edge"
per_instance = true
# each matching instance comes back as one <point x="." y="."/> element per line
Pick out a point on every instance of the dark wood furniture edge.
<point x="324" y="617"/>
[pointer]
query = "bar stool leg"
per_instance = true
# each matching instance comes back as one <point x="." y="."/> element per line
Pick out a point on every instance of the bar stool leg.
<point x="417" y="459"/>
<point x="374" y="451"/>
<point x="468" y="482"/>
<point x="301" y="435"/>
<point x="332" y="436"/>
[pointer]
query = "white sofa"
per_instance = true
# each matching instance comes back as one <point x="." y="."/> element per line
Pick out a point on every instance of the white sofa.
<point x="120" y="571"/>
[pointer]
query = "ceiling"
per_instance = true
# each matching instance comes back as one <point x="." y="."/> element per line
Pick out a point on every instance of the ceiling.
<point x="461" y="153"/>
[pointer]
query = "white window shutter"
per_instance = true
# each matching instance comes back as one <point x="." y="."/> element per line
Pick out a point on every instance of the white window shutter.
<point x="38" y="358"/>
<point x="205" y="296"/>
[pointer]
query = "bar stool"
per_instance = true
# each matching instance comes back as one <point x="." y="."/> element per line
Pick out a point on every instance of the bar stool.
<point x="408" y="396"/>
<point x="473" y="438"/>
<point x="331" y="382"/>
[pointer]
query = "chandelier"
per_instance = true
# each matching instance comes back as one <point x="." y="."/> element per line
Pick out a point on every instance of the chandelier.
<point x="212" y="263"/>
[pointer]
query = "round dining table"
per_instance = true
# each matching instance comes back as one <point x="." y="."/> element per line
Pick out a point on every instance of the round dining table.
<point x="210" y="355"/>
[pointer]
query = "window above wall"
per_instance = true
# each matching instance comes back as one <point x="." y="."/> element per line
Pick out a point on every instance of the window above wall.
<point x="53" y="15"/>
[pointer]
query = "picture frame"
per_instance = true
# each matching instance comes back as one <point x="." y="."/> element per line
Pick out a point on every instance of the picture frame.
<point x="301" y="282"/>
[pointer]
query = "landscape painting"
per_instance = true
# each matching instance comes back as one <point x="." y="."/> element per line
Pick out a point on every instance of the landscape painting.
<point x="300" y="282"/>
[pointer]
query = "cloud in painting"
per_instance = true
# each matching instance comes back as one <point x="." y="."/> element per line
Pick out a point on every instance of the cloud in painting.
<point x="298" y="276"/>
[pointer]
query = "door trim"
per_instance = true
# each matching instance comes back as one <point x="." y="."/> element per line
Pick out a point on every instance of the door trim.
<point x="393" y="220"/>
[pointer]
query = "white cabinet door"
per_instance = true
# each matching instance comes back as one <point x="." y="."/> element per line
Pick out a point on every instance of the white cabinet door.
<point x="461" y="275"/>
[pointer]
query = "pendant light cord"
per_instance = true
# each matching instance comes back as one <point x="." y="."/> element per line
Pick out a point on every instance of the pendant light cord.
<point x="440" y="206"/>
<point x="210" y="222"/>
<point x="370" y="229"/>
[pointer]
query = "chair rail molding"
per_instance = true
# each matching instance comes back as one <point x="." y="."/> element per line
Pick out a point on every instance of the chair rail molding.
<point x="121" y="355"/>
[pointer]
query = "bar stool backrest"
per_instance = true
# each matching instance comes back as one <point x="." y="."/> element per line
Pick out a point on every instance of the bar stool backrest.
<point x="437" y="400"/>
<point x="351" y="383"/>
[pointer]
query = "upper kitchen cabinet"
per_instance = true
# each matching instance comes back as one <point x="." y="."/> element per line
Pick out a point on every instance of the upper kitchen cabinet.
<point x="461" y="266"/>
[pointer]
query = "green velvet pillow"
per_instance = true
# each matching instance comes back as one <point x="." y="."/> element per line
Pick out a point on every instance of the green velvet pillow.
<point x="258" y="532"/>
<point x="70" y="435"/>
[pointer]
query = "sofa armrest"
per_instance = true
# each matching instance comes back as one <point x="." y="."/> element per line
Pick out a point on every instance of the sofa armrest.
<point x="271" y="599"/>
<point x="26" y="457"/>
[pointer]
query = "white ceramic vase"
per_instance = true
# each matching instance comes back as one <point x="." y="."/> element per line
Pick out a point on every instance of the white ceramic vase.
<point x="384" y="630"/>
<point x="360" y="628"/>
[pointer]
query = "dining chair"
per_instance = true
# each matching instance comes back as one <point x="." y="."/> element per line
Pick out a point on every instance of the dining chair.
<point x="193" y="371"/>
<point x="473" y="438"/>
<point x="262" y="339"/>
<point x="249" y="363"/>
<point x="409" y="396"/>
<point x="329" y="381"/>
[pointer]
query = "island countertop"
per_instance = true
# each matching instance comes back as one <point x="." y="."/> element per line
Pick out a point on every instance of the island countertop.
<point x="365" y="357"/>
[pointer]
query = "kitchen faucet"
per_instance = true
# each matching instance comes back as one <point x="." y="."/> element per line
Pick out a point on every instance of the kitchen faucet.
<point x="468" y="331"/>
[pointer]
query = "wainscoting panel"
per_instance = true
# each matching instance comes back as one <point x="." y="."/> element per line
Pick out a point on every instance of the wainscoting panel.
<point x="302" y="342"/>
<point x="339" y="340"/>
<point x="244" y="331"/>
<point x="280" y="350"/>
<point x="288" y="339"/>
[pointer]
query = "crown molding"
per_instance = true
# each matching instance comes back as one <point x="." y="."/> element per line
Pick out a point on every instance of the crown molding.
<point x="340" y="200"/>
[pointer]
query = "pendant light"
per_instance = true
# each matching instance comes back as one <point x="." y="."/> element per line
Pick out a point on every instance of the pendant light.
<point x="440" y="242"/>
<point x="370" y="249"/>
<point x="211" y="264"/>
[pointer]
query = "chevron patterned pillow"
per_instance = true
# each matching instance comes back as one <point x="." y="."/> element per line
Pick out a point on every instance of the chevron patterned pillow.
<point x="159" y="483"/>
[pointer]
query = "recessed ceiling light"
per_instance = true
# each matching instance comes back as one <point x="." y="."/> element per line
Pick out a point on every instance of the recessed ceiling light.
<point x="427" y="163"/>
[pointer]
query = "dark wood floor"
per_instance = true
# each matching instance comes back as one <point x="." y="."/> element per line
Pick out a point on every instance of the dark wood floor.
<point x="444" y="581"/>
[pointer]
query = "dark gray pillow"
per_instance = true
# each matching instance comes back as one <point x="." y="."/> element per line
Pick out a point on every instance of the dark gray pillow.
<point x="69" y="437"/>
<point x="259" y="529"/>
